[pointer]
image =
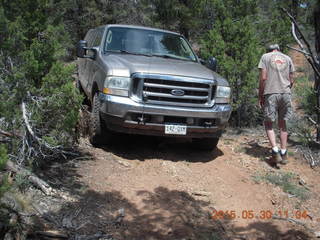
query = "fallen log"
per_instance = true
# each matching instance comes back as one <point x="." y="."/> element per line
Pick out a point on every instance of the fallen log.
<point x="37" y="182"/>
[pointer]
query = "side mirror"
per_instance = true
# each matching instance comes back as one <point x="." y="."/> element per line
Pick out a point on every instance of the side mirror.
<point x="212" y="63"/>
<point x="203" y="62"/>
<point x="81" y="48"/>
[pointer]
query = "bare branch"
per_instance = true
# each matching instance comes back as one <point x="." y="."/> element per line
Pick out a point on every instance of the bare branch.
<point x="295" y="36"/>
<point x="312" y="121"/>
<point x="298" y="50"/>
<point x="310" y="57"/>
<point x="9" y="134"/>
<point x="31" y="177"/>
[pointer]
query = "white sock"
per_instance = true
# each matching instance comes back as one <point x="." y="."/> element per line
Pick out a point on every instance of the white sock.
<point x="283" y="151"/>
<point x="275" y="149"/>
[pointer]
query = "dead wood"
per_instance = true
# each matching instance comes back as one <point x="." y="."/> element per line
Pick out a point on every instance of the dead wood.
<point x="37" y="182"/>
<point x="52" y="234"/>
<point x="313" y="61"/>
<point x="9" y="134"/>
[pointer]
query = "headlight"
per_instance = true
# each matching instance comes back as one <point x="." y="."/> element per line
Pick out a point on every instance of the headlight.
<point x="223" y="92"/>
<point x="117" y="86"/>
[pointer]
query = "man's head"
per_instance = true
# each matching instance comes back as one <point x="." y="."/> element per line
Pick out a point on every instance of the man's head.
<point x="273" y="47"/>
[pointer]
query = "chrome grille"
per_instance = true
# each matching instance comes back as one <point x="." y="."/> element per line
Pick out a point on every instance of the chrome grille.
<point x="159" y="90"/>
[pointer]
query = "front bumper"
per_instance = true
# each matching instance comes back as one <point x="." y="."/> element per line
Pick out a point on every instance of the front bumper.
<point x="122" y="114"/>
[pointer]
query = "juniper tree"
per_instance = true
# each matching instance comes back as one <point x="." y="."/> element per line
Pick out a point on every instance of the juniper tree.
<point x="233" y="41"/>
<point x="33" y="48"/>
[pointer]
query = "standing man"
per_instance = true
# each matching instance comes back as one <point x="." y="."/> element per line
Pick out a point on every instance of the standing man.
<point x="276" y="81"/>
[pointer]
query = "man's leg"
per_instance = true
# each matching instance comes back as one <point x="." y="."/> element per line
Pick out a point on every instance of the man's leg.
<point x="270" y="133"/>
<point x="272" y="139"/>
<point x="285" y="112"/>
<point x="283" y="141"/>
<point x="283" y="134"/>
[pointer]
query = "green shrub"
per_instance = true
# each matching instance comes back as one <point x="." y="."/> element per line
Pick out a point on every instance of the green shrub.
<point x="285" y="180"/>
<point x="3" y="157"/>
<point x="306" y="95"/>
<point x="4" y="185"/>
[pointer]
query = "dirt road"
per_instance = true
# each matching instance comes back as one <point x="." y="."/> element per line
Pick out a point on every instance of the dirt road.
<point x="147" y="188"/>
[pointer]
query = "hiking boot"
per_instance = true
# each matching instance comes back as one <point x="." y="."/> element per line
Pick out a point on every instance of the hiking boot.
<point x="284" y="158"/>
<point x="276" y="156"/>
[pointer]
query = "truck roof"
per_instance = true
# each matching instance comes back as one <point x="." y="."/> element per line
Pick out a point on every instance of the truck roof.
<point x="140" y="27"/>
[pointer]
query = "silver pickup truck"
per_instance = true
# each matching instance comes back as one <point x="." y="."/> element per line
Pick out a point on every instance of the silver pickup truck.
<point x="149" y="81"/>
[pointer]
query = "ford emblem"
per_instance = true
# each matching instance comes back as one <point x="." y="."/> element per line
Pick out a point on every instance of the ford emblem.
<point x="177" y="92"/>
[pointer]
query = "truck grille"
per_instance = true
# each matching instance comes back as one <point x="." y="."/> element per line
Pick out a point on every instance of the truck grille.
<point x="167" y="90"/>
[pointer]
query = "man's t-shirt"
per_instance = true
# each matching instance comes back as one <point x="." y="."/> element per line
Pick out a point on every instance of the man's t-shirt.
<point x="278" y="67"/>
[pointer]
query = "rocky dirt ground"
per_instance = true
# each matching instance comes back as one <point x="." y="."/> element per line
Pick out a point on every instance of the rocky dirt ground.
<point x="150" y="188"/>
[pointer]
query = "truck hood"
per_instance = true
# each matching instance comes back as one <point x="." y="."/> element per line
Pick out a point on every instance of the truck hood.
<point x="126" y="65"/>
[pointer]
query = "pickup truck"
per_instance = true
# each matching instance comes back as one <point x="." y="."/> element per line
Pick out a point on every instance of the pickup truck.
<point x="149" y="81"/>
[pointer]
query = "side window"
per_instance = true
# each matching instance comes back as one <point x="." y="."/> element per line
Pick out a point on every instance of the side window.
<point x="88" y="36"/>
<point x="98" y="37"/>
<point x="92" y="37"/>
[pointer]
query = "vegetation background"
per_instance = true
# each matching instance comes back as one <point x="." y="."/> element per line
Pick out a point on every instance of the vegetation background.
<point x="37" y="47"/>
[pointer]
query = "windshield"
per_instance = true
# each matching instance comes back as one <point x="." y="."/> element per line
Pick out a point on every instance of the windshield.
<point x="148" y="42"/>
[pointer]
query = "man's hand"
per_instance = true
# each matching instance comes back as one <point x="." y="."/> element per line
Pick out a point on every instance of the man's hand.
<point x="291" y="84"/>
<point x="261" y="102"/>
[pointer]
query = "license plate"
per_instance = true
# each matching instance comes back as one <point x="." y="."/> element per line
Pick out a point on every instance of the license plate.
<point x="175" y="129"/>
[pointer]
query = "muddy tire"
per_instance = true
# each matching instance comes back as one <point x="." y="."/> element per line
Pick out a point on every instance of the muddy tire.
<point x="205" y="143"/>
<point x="95" y="125"/>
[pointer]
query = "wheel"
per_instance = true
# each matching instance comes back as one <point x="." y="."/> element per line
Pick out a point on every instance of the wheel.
<point x="79" y="87"/>
<point x="95" y="125"/>
<point x="205" y="143"/>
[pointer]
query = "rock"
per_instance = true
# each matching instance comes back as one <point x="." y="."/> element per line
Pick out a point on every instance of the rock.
<point x="120" y="216"/>
<point x="98" y="236"/>
<point x="273" y="202"/>
<point x="8" y="236"/>
<point x="310" y="216"/>
<point x="67" y="222"/>
<point x="317" y="234"/>
<point x="53" y="234"/>
<point x="302" y="182"/>
<point x="201" y="193"/>
<point x="13" y="219"/>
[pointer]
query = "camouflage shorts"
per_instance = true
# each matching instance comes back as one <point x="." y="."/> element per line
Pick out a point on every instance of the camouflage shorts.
<point x="278" y="104"/>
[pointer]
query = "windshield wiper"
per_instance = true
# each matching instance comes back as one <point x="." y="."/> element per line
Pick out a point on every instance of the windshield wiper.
<point x="168" y="56"/>
<point x="127" y="52"/>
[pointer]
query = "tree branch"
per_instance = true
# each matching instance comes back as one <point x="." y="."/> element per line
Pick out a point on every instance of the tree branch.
<point x="31" y="177"/>
<point x="9" y="134"/>
<point x="309" y="56"/>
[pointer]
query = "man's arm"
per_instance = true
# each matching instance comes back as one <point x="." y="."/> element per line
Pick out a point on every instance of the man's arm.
<point x="262" y="79"/>
<point x="291" y="79"/>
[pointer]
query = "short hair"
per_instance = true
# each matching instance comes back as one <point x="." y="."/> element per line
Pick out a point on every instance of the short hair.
<point x="272" y="47"/>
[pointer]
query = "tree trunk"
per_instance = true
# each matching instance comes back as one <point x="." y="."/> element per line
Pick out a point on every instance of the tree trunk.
<point x="317" y="80"/>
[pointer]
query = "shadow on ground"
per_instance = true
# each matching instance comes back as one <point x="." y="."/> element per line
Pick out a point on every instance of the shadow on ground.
<point x="165" y="214"/>
<point x="145" y="147"/>
<point x="261" y="230"/>
<point x="254" y="149"/>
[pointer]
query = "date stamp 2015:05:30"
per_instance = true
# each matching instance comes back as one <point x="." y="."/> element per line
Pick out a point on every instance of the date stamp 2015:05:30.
<point x="262" y="214"/>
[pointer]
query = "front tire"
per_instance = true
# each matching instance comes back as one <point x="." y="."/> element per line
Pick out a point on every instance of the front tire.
<point x="95" y="122"/>
<point x="207" y="144"/>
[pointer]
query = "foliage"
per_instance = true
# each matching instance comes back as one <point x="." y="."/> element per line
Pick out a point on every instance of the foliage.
<point x="302" y="130"/>
<point x="178" y="15"/>
<point x="4" y="184"/>
<point x="3" y="157"/>
<point x="306" y="95"/>
<point x="32" y="71"/>
<point x="285" y="180"/>
<point x="234" y="43"/>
